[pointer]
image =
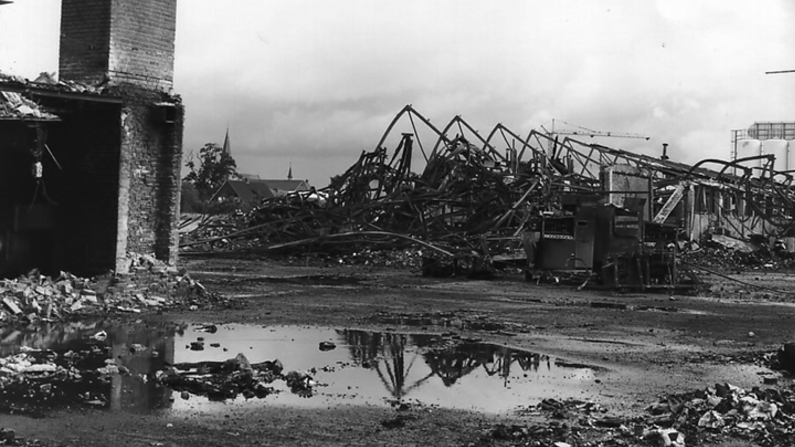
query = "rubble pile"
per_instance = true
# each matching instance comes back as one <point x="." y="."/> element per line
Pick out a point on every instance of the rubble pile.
<point x="36" y="296"/>
<point x="149" y="285"/>
<point x="765" y="417"/>
<point x="706" y="417"/>
<point x="465" y="201"/>
<point x="17" y="106"/>
<point x="728" y="258"/>
<point x="369" y="256"/>
<point x="472" y="208"/>
<point x="223" y="380"/>
<point x="34" y="380"/>
<point x="566" y="423"/>
<point x="80" y="372"/>
<point x="236" y="376"/>
<point x="216" y="232"/>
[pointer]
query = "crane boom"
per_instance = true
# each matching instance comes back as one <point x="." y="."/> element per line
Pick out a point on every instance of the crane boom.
<point x="584" y="131"/>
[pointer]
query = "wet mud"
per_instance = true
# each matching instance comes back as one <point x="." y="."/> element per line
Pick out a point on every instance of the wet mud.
<point x="205" y="367"/>
<point x="399" y="359"/>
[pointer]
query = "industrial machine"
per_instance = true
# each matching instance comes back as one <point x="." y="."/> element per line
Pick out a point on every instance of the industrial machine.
<point x="617" y="244"/>
<point x="567" y="242"/>
<point x="632" y="254"/>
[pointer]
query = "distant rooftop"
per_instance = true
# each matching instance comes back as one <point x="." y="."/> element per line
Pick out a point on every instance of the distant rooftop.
<point x="285" y="185"/>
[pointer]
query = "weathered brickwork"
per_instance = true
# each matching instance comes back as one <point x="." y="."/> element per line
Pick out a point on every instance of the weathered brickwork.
<point x="150" y="180"/>
<point x="85" y="40"/>
<point x="120" y="41"/>
<point x="170" y="187"/>
<point x="142" y="42"/>
<point x="128" y="46"/>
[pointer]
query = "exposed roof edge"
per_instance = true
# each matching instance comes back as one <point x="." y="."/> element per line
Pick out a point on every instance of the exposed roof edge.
<point x="15" y="106"/>
<point x="30" y="89"/>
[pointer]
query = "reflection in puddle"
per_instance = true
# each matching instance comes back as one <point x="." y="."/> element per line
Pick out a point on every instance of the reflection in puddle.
<point x="137" y="350"/>
<point x="365" y="368"/>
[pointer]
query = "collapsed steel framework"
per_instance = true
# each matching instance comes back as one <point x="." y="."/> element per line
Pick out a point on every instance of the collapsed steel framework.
<point x="535" y="199"/>
<point x="758" y="200"/>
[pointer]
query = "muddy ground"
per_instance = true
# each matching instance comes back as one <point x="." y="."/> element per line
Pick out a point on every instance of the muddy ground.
<point x="641" y="346"/>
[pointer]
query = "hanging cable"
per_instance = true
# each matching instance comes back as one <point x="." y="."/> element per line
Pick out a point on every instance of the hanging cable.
<point x="37" y="170"/>
<point x="53" y="156"/>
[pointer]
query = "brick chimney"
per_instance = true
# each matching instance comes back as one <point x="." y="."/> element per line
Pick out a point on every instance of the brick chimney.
<point x="118" y="41"/>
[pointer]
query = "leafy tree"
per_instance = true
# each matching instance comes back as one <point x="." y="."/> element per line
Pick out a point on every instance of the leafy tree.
<point x="189" y="200"/>
<point x="214" y="167"/>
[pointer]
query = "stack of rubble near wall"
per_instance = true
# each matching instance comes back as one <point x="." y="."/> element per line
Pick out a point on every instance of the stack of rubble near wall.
<point x="150" y="285"/>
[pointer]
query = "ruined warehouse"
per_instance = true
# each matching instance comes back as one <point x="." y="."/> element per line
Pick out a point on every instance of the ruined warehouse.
<point x="91" y="162"/>
<point x="750" y="193"/>
<point x="541" y="202"/>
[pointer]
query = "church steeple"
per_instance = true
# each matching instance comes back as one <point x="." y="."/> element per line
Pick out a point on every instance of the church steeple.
<point x="227" y="145"/>
<point x="227" y="148"/>
<point x="290" y="172"/>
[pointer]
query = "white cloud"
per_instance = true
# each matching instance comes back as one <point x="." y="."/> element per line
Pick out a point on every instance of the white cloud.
<point x="318" y="82"/>
<point x="29" y="33"/>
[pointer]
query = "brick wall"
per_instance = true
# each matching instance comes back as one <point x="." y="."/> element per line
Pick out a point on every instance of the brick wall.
<point x="151" y="151"/>
<point x="142" y="42"/>
<point x="85" y="40"/>
<point x="117" y="188"/>
<point x="169" y="190"/>
<point x="125" y="41"/>
<point x="130" y="157"/>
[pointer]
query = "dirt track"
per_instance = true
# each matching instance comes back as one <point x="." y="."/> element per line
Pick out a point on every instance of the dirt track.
<point x="643" y="346"/>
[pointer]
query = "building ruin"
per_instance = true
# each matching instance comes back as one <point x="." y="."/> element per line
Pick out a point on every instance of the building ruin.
<point x="551" y="204"/>
<point x="92" y="161"/>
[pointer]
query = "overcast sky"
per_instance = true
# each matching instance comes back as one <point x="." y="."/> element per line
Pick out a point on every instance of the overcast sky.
<point x="313" y="83"/>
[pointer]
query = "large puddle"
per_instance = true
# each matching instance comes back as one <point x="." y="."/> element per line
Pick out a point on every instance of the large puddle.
<point x="352" y="367"/>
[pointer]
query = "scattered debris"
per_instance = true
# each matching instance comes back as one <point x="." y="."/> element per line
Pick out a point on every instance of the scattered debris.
<point x="443" y="215"/>
<point x="100" y="336"/>
<point x="473" y="208"/>
<point x="327" y="346"/>
<point x="209" y="328"/>
<point x="15" y="105"/>
<point x="150" y="285"/>
<point x="705" y="417"/>
<point x="671" y="438"/>
<point x="227" y="380"/>
<point x="763" y="416"/>
<point x="300" y="383"/>
<point x="41" y="376"/>
<point x="736" y="255"/>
